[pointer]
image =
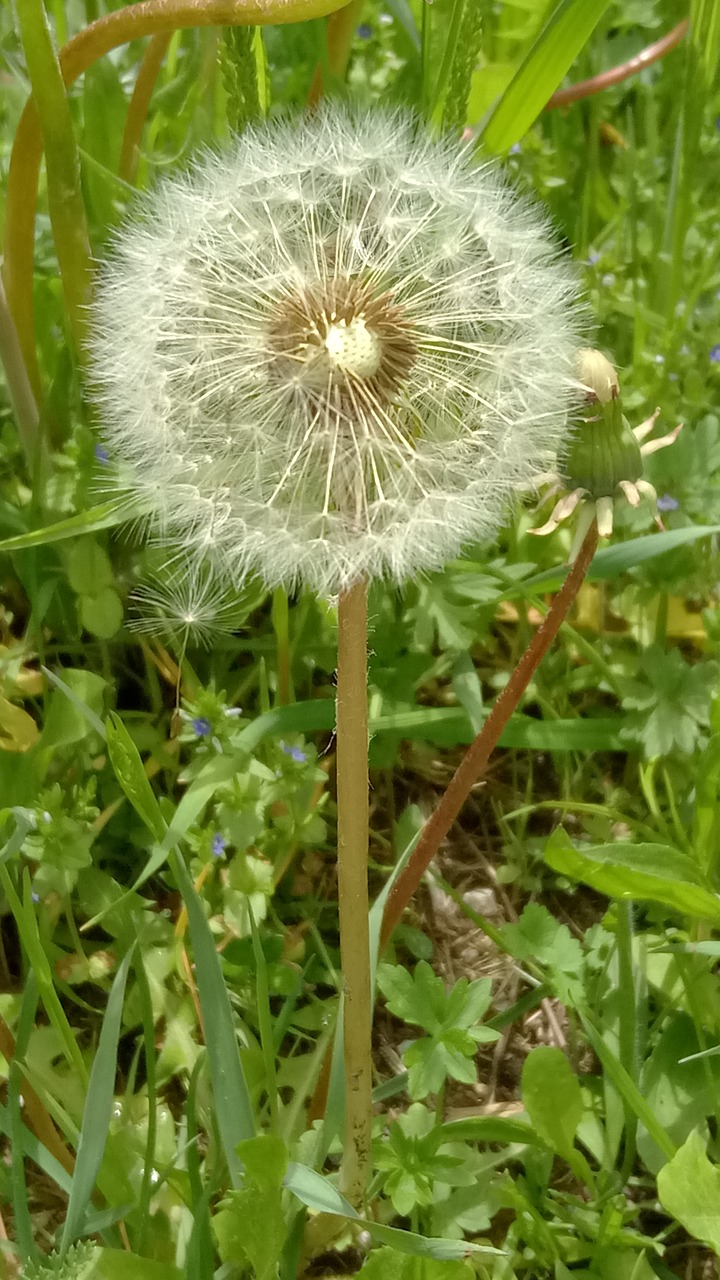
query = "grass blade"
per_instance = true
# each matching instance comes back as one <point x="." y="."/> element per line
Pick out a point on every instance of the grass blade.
<point x="98" y="1109"/>
<point x="542" y="70"/>
<point x="233" y="1108"/>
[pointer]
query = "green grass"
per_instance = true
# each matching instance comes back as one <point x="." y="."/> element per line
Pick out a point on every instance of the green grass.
<point x="157" y="1042"/>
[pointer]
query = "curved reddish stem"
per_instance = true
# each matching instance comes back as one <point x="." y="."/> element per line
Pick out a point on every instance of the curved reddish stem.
<point x="473" y="763"/>
<point x="645" y="58"/>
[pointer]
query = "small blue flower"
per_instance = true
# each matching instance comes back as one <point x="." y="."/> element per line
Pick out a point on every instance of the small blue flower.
<point x="715" y="353"/>
<point x="35" y="897"/>
<point x="515" y="149"/>
<point x="294" y="752"/>
<point x="667" y="503"/>
<point x="218" y="845"/>
<point x="593" y="257"/>
<point x="364" y="31"/>
<point x="101" y="453"/>
<point x="202" y="727"/>
<point x="608" y="280"/>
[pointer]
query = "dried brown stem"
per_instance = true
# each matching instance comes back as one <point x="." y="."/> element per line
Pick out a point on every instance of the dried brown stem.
<point x="473" y="764"/>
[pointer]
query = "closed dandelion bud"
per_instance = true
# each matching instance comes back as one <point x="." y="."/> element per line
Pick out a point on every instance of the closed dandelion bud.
<point x="337" y="350"/>
<point x="604" y="452"/>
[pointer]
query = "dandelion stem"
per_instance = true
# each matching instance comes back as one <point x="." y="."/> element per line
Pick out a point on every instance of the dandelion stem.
<point x="352" y="799"/>
<point x="474" y="761"/>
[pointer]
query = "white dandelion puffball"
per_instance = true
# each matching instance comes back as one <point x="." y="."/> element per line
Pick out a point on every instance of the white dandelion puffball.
<point x="336" y="350"/>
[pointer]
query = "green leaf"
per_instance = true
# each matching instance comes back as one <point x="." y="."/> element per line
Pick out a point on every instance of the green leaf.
<point x="552" y="1098"/>
<point x="388" y="1264"/>
<point x="542" y="70"/>
<point x="486" y="1129"/>
<point x="250" y="1227"/>
<point x="105" y="516"/>
<point x="669" y="702"/>
<point x="101" y="613"/>
<point x="71" y="716"/>
<point x="88" y="567"/>
<point x="538" y="936"/>
<point x="128" y="767"/>
<point x="116" y="1264"/>
<point x="689" y="1189"/>
<point x="233" y="1108"/>
<point x="317" y="1192"/>
<point x="611" y="562"/>
<point x="98" y="1109"/>
<point x="265" y="1160"/>
<point x="706" y="828"/>
<point x="646" y="872"/>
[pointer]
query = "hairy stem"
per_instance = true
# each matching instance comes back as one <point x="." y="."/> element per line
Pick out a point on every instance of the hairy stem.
<point x="132" y="22"/>
<point x="477" y="755"/>
<point x="352" y="800"/>
<point x="627" y="1022"/>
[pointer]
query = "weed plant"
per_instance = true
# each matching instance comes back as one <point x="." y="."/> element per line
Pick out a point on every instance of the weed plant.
<point x="547" y="1007"/>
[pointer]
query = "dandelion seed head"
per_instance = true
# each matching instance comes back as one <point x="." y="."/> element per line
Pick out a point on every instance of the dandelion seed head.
<point x="340" y="348"/>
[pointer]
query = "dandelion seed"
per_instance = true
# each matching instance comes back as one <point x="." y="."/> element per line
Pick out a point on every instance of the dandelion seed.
<point x="191" y="604"/>
<point x="338" y="350"/>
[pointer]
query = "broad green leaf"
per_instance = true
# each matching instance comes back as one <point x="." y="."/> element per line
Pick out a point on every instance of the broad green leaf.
<point x="317" y="1192"/>
<point x="129" y="771"/>
<point x="88" y="567"/>
<point x="250" y="1227"/>
<point x="689" y="1189"/>
<point x="388" y="1264"/>
<point x="552" y="1098"/>
<point x="265" y="1160"/>
<point x="117" y="1264"/>
<point x="647" y="872"/>
<point x="69" y="716"/>
<point x="552" y="54"/>
<point x="446" y="726"/>
<point x="98" y="1108"/>
<point x="233" y="1108"/>
<point x="101" y="613"/>
<point x="611" y="562"/>
<point x="487" y="1129"/>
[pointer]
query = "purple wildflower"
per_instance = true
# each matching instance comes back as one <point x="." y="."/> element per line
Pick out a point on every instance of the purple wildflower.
<point x="364" y="31"/>
<point x="667" y="503"/>
<point x="715" y="353"/>
<point x="202" y="727"/>
<point x="218" y="845"/>
<point x="295" y="753"/>
<point x="101" y="454"/>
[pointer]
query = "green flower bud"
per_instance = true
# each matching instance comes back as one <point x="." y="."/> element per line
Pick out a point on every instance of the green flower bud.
<point x="604" y="451"/>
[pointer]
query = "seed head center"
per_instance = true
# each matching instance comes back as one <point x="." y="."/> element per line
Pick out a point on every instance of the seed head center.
<point x="353" y="348"/>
